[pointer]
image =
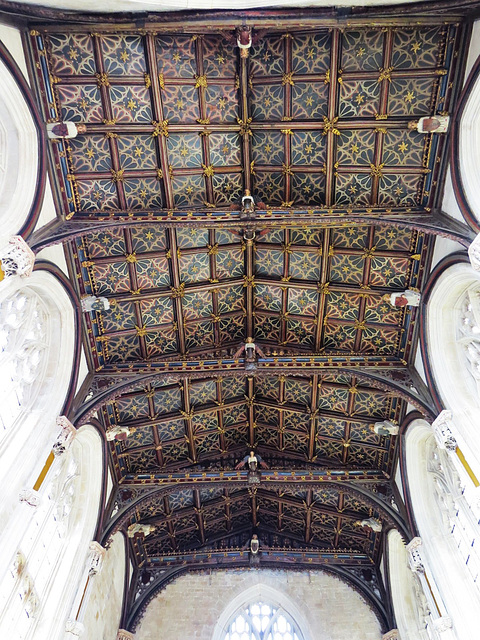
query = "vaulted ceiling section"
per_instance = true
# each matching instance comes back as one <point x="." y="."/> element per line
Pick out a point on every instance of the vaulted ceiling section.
<point x="314" y="121"/>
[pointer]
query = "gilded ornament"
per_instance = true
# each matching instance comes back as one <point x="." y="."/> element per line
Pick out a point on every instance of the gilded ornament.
<point x="160" y="129"/>
<point x="201" y="81"/>
<point x="287" y="78"/>
<point x="178" y="292"/>
<point x="329" y="125"/>
<point x="161" y="81"/>
<point x="102" y="80"/>
<point x="385" y="74"/>
<point x="117" y="176"/>
<point x="147" y="79"/>
<point x="208" y="171"/>
<point x="244" y="127"/>
<point x="376" y="170"/>
<point x="141" y="331"/>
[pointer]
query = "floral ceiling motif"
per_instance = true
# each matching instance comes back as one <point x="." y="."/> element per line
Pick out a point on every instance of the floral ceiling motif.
<point x="312" y="118"/>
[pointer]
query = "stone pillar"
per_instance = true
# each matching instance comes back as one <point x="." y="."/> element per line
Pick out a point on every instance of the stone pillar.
<point x="16" y="258"/>
<point x="123" y="634"/>
<point x="97" y="554"/>
<point x="65" y="437"/>
<point x="391" y="635"/>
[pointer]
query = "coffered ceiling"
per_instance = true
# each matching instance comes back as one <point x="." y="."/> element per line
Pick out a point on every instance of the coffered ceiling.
<point x="179" y="128"/>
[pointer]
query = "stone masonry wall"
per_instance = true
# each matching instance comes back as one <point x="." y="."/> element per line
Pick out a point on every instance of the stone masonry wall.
<point x="190" y="606"/>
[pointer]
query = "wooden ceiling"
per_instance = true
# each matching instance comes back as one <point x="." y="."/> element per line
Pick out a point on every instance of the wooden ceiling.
<point x="179" y="124"/>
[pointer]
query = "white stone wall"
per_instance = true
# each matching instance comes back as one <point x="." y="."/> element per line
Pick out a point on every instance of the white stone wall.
<point x="102" y="614"/>
<point x="190" y="606"/>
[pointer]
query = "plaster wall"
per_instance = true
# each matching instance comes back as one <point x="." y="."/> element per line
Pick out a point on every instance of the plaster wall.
<point x="190" y="606"/>
<point x="102" y="614"/>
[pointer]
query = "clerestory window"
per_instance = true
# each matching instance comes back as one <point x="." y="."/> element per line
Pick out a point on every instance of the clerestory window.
<point x="262" y="621"/>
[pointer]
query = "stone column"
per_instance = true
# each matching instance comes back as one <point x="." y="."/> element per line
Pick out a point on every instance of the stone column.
<point x="16" y="258"/>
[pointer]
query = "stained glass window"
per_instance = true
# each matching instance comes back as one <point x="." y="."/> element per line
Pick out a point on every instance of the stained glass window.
<point x="262" y="621"/>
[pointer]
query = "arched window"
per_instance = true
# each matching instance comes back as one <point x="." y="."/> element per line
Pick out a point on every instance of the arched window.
<point x="262" y="621"/>
<point x="452" y="332"/>
<point x="38" y="590"/>
<point x="23" y="353"/>
<point x="448" y="530"/>
<point x="261" y="613"/>
<point x="37" y="349"/>
<point x="19" y="153"/>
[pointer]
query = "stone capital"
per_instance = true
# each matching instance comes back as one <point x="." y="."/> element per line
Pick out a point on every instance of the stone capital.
<point x="123" y="634"/>
<point x="393" y="634"/>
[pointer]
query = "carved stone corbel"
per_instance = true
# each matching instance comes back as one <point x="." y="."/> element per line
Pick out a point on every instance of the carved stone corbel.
<point x="442" y="431"/>
<point x="393" y="634"/>
<point x="65" y="437"/>
<point x="97" y="554"/>
<point x="30" y="497"/>
<point x="474" y="253"/>
<point x="16" y="259"/>
<point x="123" y="634"/>
<point x="74" y="627"/>
<point x="414" y="557"/>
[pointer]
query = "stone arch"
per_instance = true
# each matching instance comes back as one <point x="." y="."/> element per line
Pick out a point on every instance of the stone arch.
<point x="448" y="369"/>
<point x="50" y="561"/>
<point x="27" y="441"/>
<point x="452" y="587"/>
<point x="22" y="152"/>
<point x="464" y="149"/>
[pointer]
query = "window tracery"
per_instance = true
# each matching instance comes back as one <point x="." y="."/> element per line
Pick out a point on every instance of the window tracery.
<point x="468" y="336"/>
<point x="23" y="353"/>
<point x="27" y="585"/>
<point x="456" y="510"/>
<point x="262" y="621"/>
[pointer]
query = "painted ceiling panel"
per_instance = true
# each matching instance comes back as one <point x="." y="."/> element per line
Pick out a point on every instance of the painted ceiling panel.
<point x="313" y="118"/>
<point x="180" y="126"/>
